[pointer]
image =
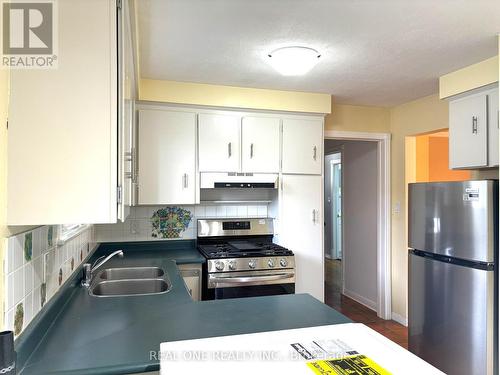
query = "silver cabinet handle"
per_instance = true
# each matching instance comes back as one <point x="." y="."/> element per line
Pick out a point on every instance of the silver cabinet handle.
<point x="229" y="152"/>
<point x="315" y="152"/>
<point x="251" y="150"/>
<point x="185" y="181"/>
<point x="131" y="156"/>
<point x="474" y="124"/>
<point x="249" y="280"/>
<point x="314" y="216"/>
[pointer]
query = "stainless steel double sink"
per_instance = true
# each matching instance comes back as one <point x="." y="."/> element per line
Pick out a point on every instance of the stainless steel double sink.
<point x="129" y="281"/>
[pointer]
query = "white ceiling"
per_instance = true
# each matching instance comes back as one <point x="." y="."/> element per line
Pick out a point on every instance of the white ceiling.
<point x="374" y="52"/>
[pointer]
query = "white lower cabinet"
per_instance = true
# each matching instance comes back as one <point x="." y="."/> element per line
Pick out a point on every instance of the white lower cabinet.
<point x="191" y="273"/>
<point x="301" y="230"/>
<point x="167" y="157"/>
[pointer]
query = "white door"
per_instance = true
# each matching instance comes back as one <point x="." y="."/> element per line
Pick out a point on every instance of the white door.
<point x="62" y="137"/>
<point x="167" y="156"/>
<point x="260" y="145"/>
<point x="302" y="146"/>
<point x="468" y="132"/>
<point x="301" y="230"/>
<point x="493" y="128"/>
<point x="219" y="143"/>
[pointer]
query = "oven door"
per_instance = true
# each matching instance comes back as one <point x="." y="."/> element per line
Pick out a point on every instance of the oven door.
<point x="250" y="283"/>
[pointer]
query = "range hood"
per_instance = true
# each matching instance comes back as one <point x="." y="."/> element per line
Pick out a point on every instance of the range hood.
<point x="234" y="180"/>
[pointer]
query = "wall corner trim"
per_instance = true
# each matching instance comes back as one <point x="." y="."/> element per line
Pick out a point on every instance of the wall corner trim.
<point x="400" y="319"/>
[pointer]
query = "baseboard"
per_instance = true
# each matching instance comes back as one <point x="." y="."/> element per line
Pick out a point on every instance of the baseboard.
<point x="400" y="319"/>
<point x="362" y="300"/>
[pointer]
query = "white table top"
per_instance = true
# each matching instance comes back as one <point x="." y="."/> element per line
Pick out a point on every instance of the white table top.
<point x="272" y="352"/>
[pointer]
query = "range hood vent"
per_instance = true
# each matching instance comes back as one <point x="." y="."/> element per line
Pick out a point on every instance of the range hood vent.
<point x="238" y="181"/>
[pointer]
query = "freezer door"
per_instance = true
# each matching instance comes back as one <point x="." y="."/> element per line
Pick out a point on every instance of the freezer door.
<point x="456" y="219"/>
<point x="450" y="316"/>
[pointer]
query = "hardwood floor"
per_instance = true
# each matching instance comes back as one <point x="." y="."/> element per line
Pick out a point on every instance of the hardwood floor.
<point x="356" y="311"/>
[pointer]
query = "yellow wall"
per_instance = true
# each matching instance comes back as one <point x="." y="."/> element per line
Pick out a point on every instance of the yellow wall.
<point x="477" y="75"/>
<point x="420" y="116"/>
<point x="358" y="118"/>
<point x="233" y="97"/>
<point x="4" y="90"/>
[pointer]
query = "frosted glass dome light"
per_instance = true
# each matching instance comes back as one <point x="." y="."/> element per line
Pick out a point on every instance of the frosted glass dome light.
<point x="293" y="61"/>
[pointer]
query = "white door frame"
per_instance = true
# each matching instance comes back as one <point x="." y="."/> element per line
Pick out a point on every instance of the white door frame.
<point x="383" y="140"/>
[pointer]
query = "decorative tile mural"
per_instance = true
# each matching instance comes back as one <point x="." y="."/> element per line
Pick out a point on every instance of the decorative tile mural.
<point x="153" y="223"/>
<point x="35" y="268"/>
<point x="169" y="222"/>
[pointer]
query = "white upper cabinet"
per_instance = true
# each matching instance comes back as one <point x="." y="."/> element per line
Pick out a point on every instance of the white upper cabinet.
<point x="473" y="129"/>
<point x="167" y="157"/>
<point x="302" y="146"/>
<point x="219" y="142"/>
<point x="469" y="132"/>
<point x="62" y="137"/>
<point x="127" y="157"/>
<point x="493" y="136"/>
<point x="260" y="146"/>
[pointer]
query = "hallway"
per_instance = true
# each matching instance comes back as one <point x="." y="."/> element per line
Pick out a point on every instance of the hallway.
<point x="356" y="311"/>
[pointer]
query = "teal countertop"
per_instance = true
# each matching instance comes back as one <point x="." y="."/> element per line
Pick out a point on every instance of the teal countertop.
<point x="81" y="334"/>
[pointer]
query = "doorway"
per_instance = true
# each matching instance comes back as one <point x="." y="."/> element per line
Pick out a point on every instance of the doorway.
<point x="333" y="226"/>
<point x="333" y="206"/>
<point x="364" y="269"/>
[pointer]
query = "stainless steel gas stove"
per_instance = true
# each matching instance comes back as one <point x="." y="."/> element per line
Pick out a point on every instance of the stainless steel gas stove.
<point x="242" y="260"/>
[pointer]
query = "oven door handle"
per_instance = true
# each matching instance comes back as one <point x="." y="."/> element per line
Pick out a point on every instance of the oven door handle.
<point x="251" y="279"/>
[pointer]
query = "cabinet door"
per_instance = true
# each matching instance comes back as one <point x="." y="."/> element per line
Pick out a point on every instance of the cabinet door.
<point x="62" y="137"/>
<point x="192" y="279"/>
<point x="493" y="128"/>
<point x="468" y="132"/>
<point x="300" y="230"/>
<point x="302" y="146"/>
<point x="126" y="114"/>
<point x="260" y="145"/>
<point x="167" y="156"/>
<point x="219" y="143"/>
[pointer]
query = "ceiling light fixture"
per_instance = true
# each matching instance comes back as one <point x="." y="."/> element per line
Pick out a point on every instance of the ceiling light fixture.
<point x="293" y="61"/>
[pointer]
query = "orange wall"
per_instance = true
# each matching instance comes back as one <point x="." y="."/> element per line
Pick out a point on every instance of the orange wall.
<point x="432" y="160"/>
<point x="438" y="162"/>
<point x="422" y="158"/>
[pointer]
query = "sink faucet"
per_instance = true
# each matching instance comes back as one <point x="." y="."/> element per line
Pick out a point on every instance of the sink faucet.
<point x="88" y="268"/>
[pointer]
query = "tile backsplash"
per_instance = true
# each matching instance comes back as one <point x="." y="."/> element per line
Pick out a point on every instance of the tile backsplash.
<point x="35" y="267"/>
<point x="150" y="223"/>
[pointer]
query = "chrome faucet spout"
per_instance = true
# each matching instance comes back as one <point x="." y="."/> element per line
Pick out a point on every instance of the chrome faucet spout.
<point x="98" y="263"/>
<point x="88" y="269"/>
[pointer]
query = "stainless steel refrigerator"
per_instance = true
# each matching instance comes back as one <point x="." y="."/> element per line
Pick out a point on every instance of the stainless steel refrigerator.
<point x="452" y="278"/>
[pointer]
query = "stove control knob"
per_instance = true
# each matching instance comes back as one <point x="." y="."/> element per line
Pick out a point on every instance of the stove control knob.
<point x="283" y="262"/>
<point x="219" y="266"/>
<point x="232" y="265"/>
<point x="252" y="264"/>
<point x="270" y="263"/>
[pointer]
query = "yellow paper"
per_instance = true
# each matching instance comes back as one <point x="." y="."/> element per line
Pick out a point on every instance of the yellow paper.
<point x="350" y="365"/>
